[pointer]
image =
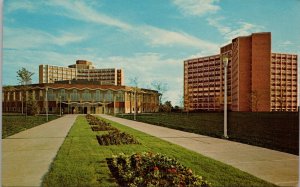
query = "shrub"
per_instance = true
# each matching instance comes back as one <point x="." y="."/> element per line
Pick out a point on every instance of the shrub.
<point x="115" y="137"/>
<point x="148" y="169"/>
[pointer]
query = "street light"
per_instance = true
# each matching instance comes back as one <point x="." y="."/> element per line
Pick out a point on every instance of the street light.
<point x="60" y="105"/>
<point x="225" y="60"/>
<point x="135" y="108"/>
<point x="46" y="103"/>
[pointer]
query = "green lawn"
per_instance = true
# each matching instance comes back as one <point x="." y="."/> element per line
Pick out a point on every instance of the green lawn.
<point x="274" y="130"/>
<point x="81" y="161"/>
<point x="12" y="124"/>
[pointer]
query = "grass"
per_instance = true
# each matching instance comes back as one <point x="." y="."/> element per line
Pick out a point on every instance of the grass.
<point x="12" y="124"/>
<point x="81" y="161"/>
<point x="274" y="130"/>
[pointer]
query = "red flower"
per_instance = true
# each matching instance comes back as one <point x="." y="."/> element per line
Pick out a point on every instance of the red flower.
<point x="155" y="168"/>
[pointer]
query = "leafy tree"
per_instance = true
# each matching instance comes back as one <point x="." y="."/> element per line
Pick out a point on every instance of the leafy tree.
<point x="166" y="107"/>
<point x="24" y="76"/>
<point x="32" y="106"/>
<point x="161" y="88"/>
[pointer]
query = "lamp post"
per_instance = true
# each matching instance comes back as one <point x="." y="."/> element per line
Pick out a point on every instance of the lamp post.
<point x="135" y="108"/>
<point x="22" y="103"/>
<point x="60" y="105"/>
<point x="46" y="103"/>
<point x="225" y="60"/>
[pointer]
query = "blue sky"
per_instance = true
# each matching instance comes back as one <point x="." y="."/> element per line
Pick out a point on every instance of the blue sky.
<point x="148" y="39"/>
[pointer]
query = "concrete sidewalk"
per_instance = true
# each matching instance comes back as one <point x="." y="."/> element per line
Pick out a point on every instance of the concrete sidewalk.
<point x="273" y="166"/>
<point x="26" y="156"/>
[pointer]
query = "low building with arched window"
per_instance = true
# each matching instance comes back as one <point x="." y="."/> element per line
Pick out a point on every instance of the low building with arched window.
<point x="73" y="97"/>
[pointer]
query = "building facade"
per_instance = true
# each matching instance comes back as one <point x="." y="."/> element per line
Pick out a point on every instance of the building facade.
<point x="80" y="98"/>
<point x="257" y="79"/>
<point x="82" y="70"/>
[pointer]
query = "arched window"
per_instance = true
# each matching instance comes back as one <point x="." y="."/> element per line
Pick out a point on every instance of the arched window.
<point x="74" y="95"/>
<point x="62" y="94"/>
<point x="97" y="95"/>
<point x="109" y="96"/>
<point x="86" y="95"/>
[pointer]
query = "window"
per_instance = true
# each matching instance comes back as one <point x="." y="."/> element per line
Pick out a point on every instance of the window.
<point x="120" y="96"/>
<point x="51" y="95"/>
<point x="86" y="95"/>
<point x="74" y="95"/>
<point x="109" y="96"/>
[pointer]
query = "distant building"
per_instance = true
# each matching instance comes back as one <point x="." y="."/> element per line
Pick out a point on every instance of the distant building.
<point x="80" y="98"/>
<point x="82" y="70"/>
<point x="258" y="80"/>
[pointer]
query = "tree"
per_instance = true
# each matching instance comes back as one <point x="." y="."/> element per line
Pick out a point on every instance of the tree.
<point x="24" y="76"/>
<point x="166" y="107"/>
<point x="161" y="88"/>
<point x="32" y="106"/>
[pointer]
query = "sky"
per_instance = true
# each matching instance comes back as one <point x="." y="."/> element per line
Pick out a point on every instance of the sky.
<point x="148" y="39"/>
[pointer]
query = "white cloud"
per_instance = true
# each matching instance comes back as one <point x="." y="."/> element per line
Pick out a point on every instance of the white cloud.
<point x="154" y="35"/>
<point x="21" y="5"/>
<point x="81" y="11"/>
<point x="244" y="29"/>
<point x="287" y="42"/>
<point x="159" y="36"/>
<point x="197" y="7"/>
<point x="216" y="23"/>
<point x="241" y="28"/>
<point x="25" y="38"/>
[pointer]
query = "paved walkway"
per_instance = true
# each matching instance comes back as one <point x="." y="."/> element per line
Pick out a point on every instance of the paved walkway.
<point x="26" y="156"/>
<point x="276" y="167"/>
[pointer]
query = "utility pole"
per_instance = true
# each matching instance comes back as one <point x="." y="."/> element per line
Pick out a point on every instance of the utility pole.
<point x="225" y="60"/>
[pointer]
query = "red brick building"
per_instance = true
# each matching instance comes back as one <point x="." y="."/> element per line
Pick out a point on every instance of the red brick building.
<point x="257" y="79"/>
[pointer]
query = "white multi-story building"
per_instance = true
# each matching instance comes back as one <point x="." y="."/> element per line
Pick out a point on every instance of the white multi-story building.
<point x="82" y="70"/>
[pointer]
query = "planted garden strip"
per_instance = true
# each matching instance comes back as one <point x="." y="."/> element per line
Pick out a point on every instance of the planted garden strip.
<point x="97" y="124"/>
<point x="148" y="169"/>
<point x="116" y="137"/>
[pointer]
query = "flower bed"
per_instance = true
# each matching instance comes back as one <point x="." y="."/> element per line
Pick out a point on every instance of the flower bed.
<point x="148" y="169"/>
<point x="115" y="137"/>
<point x="97" y="124"/>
